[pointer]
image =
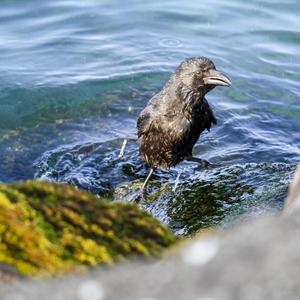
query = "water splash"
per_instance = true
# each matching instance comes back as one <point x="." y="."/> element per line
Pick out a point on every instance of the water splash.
<point x="177" y="181"/>
<point x="121" y="154"/>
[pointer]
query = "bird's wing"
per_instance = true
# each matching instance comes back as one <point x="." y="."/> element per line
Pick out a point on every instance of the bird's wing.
<point x="144" y="122"/>
<point x="212" y="116"/>
<point x="147" y="116"/>
<point x="211" y="119"/>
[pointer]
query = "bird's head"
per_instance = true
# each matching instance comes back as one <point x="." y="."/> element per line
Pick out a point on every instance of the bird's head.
<point x="200" y="74"/>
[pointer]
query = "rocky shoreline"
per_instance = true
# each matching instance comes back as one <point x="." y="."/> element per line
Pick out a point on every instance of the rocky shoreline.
<point x="257" y="260"/>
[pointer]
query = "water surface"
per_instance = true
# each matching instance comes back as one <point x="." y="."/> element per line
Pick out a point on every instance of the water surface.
<point x="74" y="76"/>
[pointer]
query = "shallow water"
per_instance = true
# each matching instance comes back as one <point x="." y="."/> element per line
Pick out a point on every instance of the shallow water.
<point x="74" y="76"/>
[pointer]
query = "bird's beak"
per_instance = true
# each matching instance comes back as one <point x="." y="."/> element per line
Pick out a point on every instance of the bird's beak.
<point x="215" y="77"/>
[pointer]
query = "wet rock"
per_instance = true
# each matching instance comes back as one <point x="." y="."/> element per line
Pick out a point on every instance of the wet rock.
<point x="48" y="229"/>
<point x="218" y="197"/>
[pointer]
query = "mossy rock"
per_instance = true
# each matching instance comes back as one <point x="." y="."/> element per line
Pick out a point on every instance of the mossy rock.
<point x="49" y="228"/>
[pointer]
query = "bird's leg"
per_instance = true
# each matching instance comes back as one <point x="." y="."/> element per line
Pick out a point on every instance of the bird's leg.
<point x="141" y="194"/>
<point x="203" y="164"/>
<point x="132" y="138"/>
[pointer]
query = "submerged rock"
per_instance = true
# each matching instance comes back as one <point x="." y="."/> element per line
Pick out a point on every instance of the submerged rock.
<point x="48" y="228"/>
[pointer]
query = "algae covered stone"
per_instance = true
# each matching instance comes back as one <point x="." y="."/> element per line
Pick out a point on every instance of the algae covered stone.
<point x="49" y="228"/>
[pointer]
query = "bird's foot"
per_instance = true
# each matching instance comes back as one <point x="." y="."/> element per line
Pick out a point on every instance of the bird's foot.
<point x="142" y="192"/>
<point x="202" y="163"/>
<point x="141" y="195"/>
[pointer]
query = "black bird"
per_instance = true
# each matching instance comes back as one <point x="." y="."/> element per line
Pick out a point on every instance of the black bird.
<point x="171" y="123"/>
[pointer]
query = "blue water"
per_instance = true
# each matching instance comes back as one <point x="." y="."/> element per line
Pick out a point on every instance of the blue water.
<point x="75" y="74"/>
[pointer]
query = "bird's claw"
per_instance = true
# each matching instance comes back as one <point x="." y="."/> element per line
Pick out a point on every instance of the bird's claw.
<point x="139" y="197"/>
<point x="204" y="164"/>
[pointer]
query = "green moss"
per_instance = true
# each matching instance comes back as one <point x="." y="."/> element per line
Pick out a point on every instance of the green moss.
<point x="49" y="228"/>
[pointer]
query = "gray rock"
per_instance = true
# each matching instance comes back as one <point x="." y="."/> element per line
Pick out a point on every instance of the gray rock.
<point x="293" y="199"/>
